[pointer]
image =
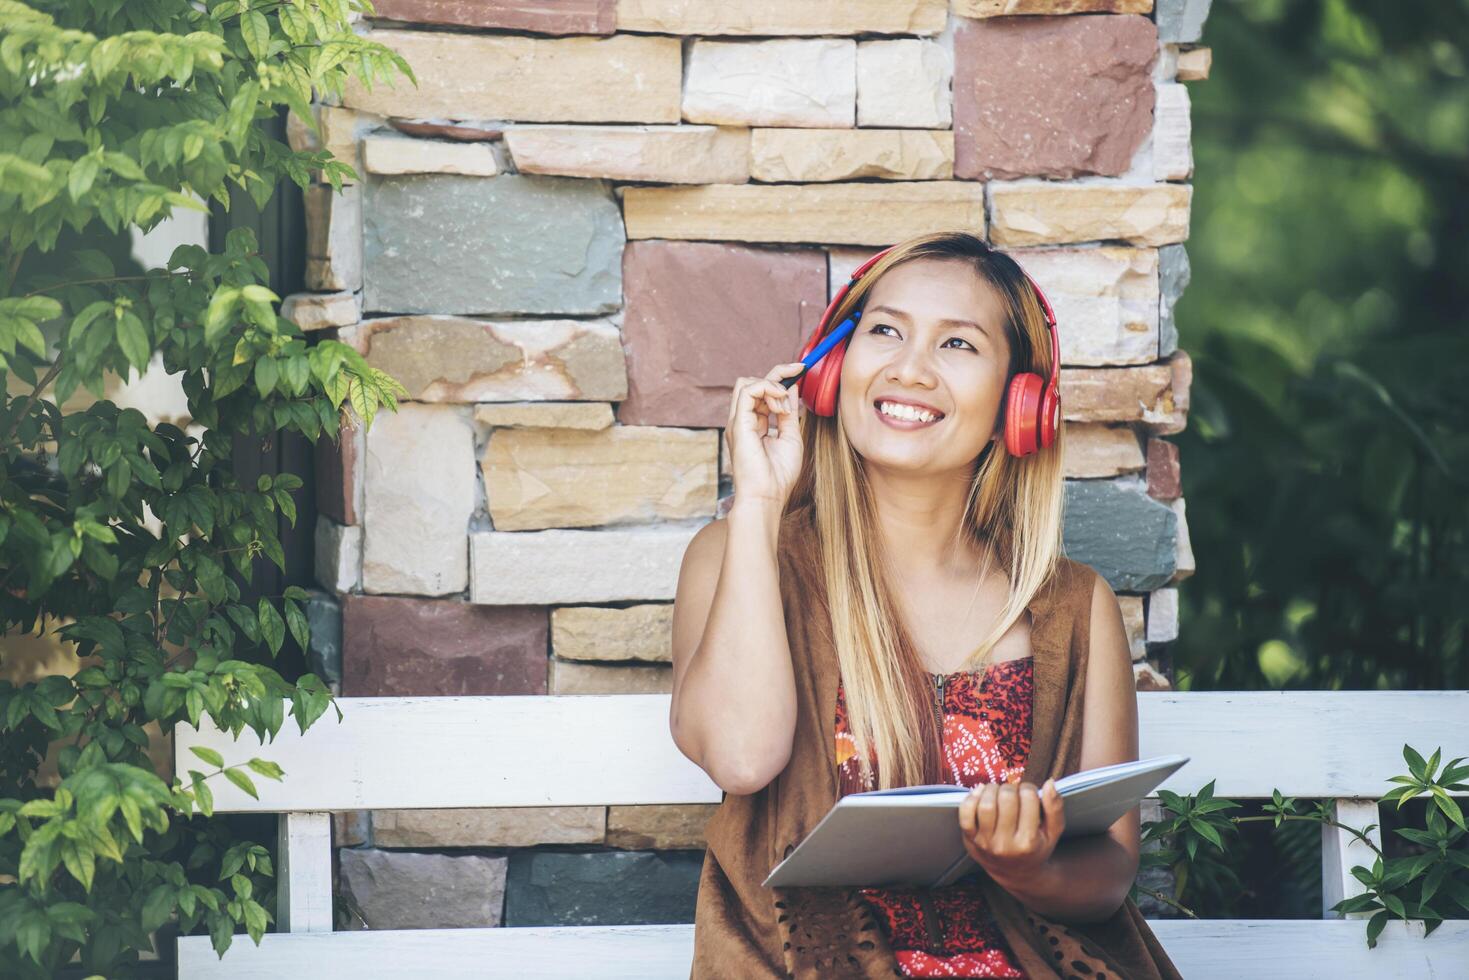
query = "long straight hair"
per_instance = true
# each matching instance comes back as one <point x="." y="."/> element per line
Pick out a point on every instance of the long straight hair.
<point x="1013" y="512"/>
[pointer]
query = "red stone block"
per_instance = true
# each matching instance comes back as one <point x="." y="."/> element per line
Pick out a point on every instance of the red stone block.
<point x="701" y="314"/>
<point x="1165" y="479"/>
<point x="1051" y="96"/>
<point x="537" y="16"/>
<point x="402" y="647"/>
<point x="336" y="462"/>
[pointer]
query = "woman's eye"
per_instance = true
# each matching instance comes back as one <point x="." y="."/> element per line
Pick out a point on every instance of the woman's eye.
<point x="883" y="326"/>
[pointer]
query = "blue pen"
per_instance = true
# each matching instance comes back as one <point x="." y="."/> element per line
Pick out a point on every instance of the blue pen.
<point x="832" y="339"/>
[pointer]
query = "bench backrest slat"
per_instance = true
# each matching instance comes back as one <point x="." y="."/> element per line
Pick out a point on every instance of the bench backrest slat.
<point x="427" y="753"/>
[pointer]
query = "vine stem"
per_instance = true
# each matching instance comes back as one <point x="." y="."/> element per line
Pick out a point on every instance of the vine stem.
<point x="152" y="274"/>
<point x="1167" y="900"/>
<point x="25" y="409"/>
<point x="1326" y="820"/>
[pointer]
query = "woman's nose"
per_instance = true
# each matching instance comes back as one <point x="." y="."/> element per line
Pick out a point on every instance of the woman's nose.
<point x="911" y="365"/>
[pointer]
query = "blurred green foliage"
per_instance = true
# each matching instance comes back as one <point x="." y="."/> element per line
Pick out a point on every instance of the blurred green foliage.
<point x="1326" y="463"/>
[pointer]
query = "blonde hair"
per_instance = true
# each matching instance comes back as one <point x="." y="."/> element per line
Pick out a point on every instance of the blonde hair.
<point x="1014" y="506"/>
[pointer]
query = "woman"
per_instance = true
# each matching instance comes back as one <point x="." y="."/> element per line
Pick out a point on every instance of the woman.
<point x="886" y="604"/>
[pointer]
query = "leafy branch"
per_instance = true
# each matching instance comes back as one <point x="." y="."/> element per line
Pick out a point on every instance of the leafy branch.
<point x="1402" y="887"/>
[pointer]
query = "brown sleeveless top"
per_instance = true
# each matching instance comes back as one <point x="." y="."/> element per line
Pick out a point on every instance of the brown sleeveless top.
<point x="743" y="930"/>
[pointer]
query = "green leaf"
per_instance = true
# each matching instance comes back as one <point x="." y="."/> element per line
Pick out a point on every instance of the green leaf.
<point x="1416" y="765"/>
<point x="220" y="315"/>
<point x="256" y="31"/>
<point x="296" y="620"/>
<point x="266" y="374"/>
<point x="241" y="780"/>
<point x="266" y="768"/>
<point x="208" y="755"/>
<point x="272" y="627"/>
<point x="157" y="907"/>
<point x="132" y="338"/>
<point x="1374" y="928"/>
<point x="1450" y="808"/>
<point x="80" y="861"/>
<point x="79" y="179"/>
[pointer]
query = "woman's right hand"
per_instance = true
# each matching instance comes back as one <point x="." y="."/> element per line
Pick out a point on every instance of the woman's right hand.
<point x="765" y="466"/>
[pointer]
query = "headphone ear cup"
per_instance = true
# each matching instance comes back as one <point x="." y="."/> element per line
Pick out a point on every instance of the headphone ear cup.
<point x="1050" y="417"/>
<point x="819" y="384"/>
<point x="1022" y="414"/>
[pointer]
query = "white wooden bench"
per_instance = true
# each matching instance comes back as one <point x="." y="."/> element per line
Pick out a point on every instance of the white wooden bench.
<point x="429" y="753"/>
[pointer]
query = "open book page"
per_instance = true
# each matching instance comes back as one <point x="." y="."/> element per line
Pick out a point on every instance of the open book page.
<point x="910" y="835"/>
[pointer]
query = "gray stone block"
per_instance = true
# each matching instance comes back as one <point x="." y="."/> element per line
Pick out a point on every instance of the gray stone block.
<point x="1127" y="536"/>
<point x="324" y="619"/>
<point x="1173" y="278"/>
<point x="1181" y="20"/>
<point x="410" y="890"/>
<point x="445" y="243"/>
<point x="556" y="888"/>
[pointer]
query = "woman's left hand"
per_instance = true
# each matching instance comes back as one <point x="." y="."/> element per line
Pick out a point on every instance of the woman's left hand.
<point x="1011" y="829"/>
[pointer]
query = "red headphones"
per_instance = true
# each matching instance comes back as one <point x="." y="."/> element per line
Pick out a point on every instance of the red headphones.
<point x="1032" y="406"/>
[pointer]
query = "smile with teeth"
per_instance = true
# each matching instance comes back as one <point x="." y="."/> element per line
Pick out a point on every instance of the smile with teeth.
<point x="906" y="413"/>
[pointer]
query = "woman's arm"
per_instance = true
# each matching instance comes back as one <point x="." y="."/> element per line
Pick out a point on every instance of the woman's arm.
<point x="1083" y="879"/>
<point x="733" y="709"/>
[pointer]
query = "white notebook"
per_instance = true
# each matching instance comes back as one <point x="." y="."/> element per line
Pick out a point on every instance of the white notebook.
<point x="911" y="836"/>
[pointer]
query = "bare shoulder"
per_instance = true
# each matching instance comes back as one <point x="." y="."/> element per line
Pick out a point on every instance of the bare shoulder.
<point x="1108" y="632"/>
<point x="698" y="576"/>
<point x="707" y="543"/>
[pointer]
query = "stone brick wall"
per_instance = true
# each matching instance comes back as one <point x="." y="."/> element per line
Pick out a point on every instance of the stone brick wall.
<point x="585" y="221"/>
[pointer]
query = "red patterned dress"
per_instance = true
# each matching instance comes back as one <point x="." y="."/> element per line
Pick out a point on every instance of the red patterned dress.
<point x="948" y="931"/>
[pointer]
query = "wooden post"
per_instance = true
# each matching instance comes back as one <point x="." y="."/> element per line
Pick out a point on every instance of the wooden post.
<point x="1340" y="851"/>
<point x="304" y="872"/>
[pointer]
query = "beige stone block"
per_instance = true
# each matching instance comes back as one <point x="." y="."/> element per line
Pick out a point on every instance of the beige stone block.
<point x="1040" y="212"/>
<point x="623" y="78"/>
<point x="905" y="82"/>
<point x="338" y="129"/>
<point x="571" y="677"/>
<point x="1007" y="8"/>
<point x="660" y="827"/>
<point x="1134" y="394"/>
<point x="841" y="262"/>
<point x="408" y="155"/>
<point x="626" y="474"/>
<point x="1173" y="155"/>
<point x="545" y="415"/>
<point x="642" y="632"/>
<point x="489" y="826"/>
<point x="1094" y="450"/>
<point x="1184" y="565"/>
<point x="1132" y="621"/>
<point x="562" y="566"/>
<point x="1105" y="299"/>
<point x="845" y="154"/>
<point x="338" y="555"/>
<point x="351" y="828"/>
<point x="779" y="17"/>
<point x="850" y="214"/>
<point x="460" y="359"/>
<point x="1181" y="367"/>
<point x="333" y="237"/>
<point x="1147" y="678"/>
<point x="418" y="495"/>
<point x="322" y="311"/>
<point x="1193" y="64"/>
<point x="784" y="82"/>
<point x="1163" y="615"/>
<point x="664" y="154"/>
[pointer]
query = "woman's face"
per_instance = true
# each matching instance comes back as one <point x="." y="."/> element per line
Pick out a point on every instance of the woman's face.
<point x="931" y="333"/>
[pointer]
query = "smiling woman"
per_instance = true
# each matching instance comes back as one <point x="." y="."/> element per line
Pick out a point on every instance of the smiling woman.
<point x="887" y="605"/>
